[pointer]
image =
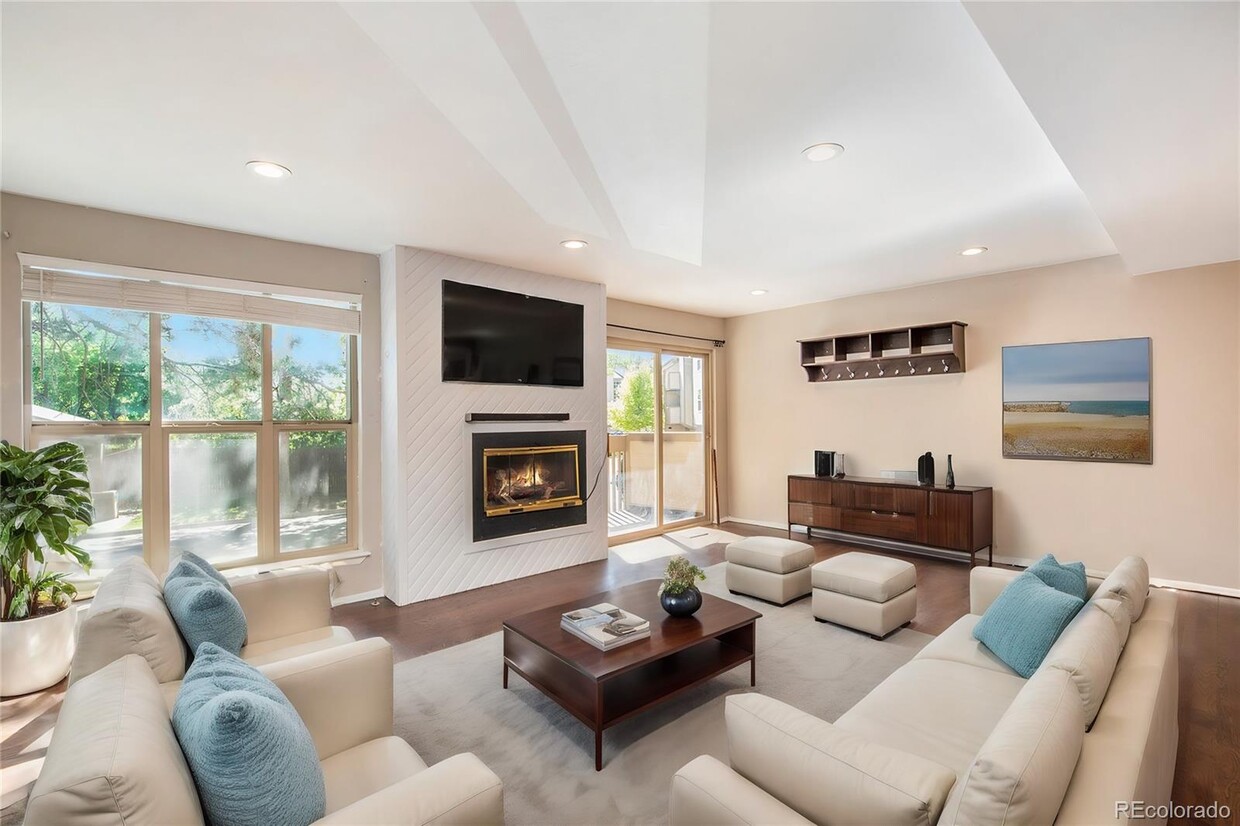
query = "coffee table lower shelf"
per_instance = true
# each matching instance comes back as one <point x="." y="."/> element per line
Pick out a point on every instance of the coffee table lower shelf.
<point x="601" y="703"/>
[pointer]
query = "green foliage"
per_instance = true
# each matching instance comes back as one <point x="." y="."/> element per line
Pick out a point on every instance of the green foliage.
<point x="633" y="410"/>
<point x="44" y="502"/>
<point x="680" y="576"/>
<point x="90" y="363"/>
<point x="226" y="383"/>
<point x="95" y="364"/>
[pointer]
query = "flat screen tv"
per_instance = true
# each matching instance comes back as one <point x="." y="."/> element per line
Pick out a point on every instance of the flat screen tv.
<point x="500" y="337"/>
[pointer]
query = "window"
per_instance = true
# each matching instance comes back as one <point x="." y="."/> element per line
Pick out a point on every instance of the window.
<point x="230" y="438"/>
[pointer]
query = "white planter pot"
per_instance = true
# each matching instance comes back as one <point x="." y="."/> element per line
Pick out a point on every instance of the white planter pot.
<point x="36" y="653"/>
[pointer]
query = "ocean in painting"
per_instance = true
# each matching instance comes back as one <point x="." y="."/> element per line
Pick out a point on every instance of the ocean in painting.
<point x="1111" y="408"/>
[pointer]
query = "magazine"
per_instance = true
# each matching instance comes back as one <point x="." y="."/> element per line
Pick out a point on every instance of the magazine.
<point x="605" y="626"/>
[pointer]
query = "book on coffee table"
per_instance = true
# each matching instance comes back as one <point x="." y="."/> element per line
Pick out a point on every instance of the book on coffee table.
<point x="605" y="626"/>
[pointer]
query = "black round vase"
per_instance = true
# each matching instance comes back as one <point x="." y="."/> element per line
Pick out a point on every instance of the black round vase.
<point x="683" y="604"/>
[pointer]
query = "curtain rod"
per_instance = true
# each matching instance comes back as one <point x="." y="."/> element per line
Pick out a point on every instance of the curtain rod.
<point x="718" y="342"/>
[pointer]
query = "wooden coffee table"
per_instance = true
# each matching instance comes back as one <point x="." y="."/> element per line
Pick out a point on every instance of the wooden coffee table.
<point x="604" y="688"/>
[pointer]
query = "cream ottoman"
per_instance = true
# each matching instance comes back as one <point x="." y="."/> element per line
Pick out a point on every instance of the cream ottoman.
<point x="769" y="568"/>
<point x="875" y="594"/>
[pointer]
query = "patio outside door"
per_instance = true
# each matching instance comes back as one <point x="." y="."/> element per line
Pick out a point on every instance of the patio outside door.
<point x="658" y="442"/>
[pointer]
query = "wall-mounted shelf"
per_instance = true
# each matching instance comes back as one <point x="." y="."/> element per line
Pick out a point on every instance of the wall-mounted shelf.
<point x="927" y="349"/>
<point x="480" y="418"/>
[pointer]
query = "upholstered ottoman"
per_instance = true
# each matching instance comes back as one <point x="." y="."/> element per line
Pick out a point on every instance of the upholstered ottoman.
<point x="875" y="594"/>
<point x="769" y="568"/>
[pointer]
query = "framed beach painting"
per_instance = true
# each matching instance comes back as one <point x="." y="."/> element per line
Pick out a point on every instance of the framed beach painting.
<point x="1085" y="401"/>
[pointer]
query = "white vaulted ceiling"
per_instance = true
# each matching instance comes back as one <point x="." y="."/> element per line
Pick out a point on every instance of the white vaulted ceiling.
<point x="668" y="135"/>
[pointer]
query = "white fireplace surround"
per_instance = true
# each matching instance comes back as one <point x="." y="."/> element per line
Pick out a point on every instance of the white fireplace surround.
<point x="428" y="547"/>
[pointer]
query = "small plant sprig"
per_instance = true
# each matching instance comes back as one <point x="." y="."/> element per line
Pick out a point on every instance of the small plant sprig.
<point x="680" y="576"/>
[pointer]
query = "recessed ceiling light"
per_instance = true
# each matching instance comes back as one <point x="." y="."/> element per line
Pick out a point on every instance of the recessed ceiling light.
<point x="574" y="244"/>
<point x="268" y="169"/>
<point x="973" y="251"/>
<point x="757" y="292"/>
<point x="822" y="151"/>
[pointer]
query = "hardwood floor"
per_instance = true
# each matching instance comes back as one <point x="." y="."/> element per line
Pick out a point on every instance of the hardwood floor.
<point x="1208" y="763"/>
<point x="943" y="597"/>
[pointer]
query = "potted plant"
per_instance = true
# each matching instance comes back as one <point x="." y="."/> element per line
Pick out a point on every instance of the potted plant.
<point x="44" y="503"/>
<point x="679" y="594"/>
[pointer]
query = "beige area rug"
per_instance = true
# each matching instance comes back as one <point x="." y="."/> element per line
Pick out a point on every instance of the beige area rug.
<point x="644" y="550"/>
<point x="700" y="537"/>
<point x="451" y="701"/>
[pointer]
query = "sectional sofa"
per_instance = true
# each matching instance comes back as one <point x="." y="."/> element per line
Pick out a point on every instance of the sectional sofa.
<point x="957" y="737"/>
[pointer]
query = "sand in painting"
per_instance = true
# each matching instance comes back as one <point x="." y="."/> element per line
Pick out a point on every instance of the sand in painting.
<point x="1076" y="435"/>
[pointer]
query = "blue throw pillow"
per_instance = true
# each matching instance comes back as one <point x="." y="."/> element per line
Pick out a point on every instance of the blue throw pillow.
<point x="251" y="756"/>
<point x="201" y="565"/>
<point x="204" y="610"/>
<point x="1068" y="577"/>
<point x="1024" y="621"/>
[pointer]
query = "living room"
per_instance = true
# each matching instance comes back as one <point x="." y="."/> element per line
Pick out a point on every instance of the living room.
<point x="454" y="432"/>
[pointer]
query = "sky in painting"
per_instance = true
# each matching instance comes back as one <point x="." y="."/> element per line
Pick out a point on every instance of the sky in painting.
<point x="1116" y="370"/>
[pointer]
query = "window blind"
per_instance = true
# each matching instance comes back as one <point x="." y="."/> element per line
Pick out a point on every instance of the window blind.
<point x="130" y="288"/>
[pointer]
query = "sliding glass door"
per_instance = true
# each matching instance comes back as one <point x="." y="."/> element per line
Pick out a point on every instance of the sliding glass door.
<point x="683" y="442"/>
<point x="658" y="439"/>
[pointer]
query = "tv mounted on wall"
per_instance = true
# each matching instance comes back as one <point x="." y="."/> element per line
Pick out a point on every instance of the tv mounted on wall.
<point x="500" y="337"/>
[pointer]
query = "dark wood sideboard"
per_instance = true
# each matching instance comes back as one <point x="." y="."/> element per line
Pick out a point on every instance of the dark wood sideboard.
<point x="933" y="519"/>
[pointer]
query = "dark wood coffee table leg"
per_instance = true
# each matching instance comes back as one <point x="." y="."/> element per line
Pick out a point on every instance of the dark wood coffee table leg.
<point x="753" y="671"/>
<point x="505" y="674"/>
<point x="598" y="727"/>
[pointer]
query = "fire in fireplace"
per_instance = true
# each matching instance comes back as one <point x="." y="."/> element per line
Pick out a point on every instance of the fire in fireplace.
<point x="519" y="479"/>
<point x="527" y="481"/>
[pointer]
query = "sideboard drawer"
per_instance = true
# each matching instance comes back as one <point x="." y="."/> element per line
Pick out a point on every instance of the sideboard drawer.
<point x="872" y="497"/>
<point x="817" y="516"/>
<point x="817" y="491"/>
<point x="881" y="523"/>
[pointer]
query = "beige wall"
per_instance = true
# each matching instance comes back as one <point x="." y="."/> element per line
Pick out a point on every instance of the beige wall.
<point x="1180" y="512"/>
<point x="679" y="323"/>
<point x="61" y="230"/>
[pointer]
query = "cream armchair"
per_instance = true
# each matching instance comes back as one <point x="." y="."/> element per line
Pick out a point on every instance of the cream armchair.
<point x="288" y="613"/>
<point x="115" y="759"/>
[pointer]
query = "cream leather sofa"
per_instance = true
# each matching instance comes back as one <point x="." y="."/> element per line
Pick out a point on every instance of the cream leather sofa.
<point x="956" y="737"/>
<point x="288" y="613"/>
<point x="114" y="757"/>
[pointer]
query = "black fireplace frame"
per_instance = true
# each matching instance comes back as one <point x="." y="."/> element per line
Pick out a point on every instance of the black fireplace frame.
<point x="531" y="521"/>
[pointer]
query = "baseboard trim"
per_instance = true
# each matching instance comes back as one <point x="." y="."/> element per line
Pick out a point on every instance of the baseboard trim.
<point x="362" y="597"/>
<point x="1022" y="562"/>
<point x="779" y="526"/>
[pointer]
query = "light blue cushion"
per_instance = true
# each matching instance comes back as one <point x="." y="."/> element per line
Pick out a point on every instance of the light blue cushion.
<point x="1024" y="621"/>
<point x="204" y="610"/>
<point x="203" y="566"/>
<point x="251" y="756"/>
<point x="1068" y="577"/>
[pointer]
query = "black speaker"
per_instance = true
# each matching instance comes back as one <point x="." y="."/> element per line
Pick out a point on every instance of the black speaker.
<point x="824" y="462"/>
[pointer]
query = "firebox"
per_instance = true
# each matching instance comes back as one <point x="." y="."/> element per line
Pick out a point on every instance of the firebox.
<point x="527" y="482"/>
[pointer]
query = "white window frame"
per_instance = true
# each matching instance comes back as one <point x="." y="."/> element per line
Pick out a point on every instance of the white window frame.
<point x="155" y="433"/>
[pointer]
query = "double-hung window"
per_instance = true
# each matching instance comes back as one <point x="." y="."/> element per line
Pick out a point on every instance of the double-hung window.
<point x="216" y="417"/>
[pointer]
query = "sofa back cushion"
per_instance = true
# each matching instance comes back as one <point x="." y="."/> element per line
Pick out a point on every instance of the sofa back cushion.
<point x="204" y="610"/>
<point x="1022" y="624"/>
<point x="128" y="616"/>
<point x="1022" y="771"/>
<point x="113" y="757"/>
<point x="1089" y="648"/>
<point x="252" y="758"/>
<point x="1129" y="583"/>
